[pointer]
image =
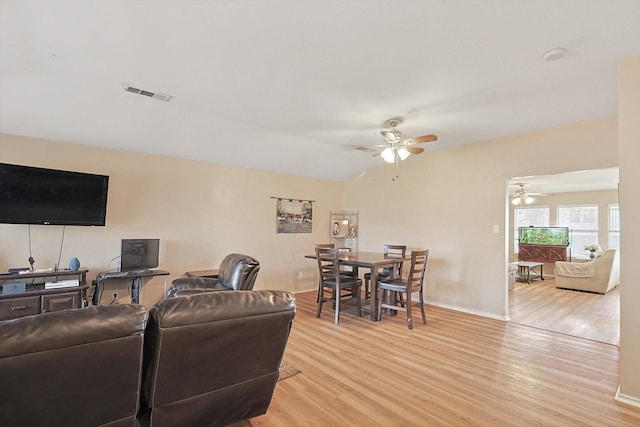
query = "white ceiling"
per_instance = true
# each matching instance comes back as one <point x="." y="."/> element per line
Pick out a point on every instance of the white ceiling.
<point x="576" y="181"/>
<point x="289" y="86"/>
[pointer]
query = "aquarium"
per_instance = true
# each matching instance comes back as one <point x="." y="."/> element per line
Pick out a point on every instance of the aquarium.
<point x="557" y="236"/>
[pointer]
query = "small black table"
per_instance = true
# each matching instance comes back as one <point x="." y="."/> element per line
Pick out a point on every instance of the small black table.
<point x="136" y="282"/>
<point x="527" y="270"/>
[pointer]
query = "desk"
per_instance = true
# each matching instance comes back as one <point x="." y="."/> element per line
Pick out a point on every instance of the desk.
<point x="526" y="270"/>
<point x="136" y="282"/>
<point x="373" y="261"/>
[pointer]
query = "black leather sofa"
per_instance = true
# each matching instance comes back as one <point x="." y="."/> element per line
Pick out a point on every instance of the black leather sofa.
<point x="237" y="272"/>
<point x="210" y="359"/>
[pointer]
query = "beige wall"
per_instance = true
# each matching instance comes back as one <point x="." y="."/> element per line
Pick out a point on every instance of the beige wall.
<point x="201" y="212"/>
<point x="629" y="153"/>
<point x="450" y="200"/>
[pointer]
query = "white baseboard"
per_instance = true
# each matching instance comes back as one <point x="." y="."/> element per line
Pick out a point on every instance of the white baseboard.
<point x="450" y="307"/>
<point x="469" y="311"/>
<point x="628" y="400"/>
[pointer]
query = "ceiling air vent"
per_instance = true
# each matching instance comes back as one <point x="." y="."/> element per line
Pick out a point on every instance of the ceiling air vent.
<point x="365" y="149"/>
<point x="154" y="95"/>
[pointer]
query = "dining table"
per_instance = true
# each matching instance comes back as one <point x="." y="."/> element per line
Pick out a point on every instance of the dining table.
<point x="374" y="261"/>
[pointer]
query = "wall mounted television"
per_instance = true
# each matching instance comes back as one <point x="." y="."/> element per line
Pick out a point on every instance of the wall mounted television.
<point x="32" y="195"/>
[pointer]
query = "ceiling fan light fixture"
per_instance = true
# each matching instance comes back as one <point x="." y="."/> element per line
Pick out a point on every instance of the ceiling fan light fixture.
<point x="396" y="146"/>
<point x="522" y="197"/>
<point x="388" y="155"/>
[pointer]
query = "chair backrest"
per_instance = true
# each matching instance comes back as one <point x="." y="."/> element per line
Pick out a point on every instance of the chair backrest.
<point x="214" y="357"/>
<point x="415" y="280"/>
<point x="395" y="250"/>
<point x="328" y="265"/>
<point x="238" y="272"/>
<point x="345" y="270"/>
<point x="72" y="367"/>
<point x="325" y="245"/>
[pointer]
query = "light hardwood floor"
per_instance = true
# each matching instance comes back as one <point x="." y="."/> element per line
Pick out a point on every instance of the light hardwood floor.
<point x="458" y="370"/>
<point x="581" y="314"/>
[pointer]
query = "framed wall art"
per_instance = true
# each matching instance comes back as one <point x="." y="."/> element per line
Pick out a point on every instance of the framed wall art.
<point x="294" y="216"/>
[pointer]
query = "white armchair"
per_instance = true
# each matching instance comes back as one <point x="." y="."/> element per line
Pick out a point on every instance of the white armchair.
<point x="600" y="275"/>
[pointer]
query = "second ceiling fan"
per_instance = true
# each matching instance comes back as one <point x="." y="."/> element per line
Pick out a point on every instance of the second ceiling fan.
<point x="522" y="196"/>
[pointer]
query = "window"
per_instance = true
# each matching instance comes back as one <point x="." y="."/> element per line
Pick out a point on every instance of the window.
<point x="582" y="221"/>
<point x="524" y="217"/>
<point x="614" y="226"/>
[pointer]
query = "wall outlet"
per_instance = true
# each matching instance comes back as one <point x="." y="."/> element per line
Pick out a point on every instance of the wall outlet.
<point x="300" y="274"/>
<point x="496" y="229"/>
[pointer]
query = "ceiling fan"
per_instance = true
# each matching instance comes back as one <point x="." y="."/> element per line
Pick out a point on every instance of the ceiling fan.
<point x="522" y="196"/>
<point x="396" y="146"/>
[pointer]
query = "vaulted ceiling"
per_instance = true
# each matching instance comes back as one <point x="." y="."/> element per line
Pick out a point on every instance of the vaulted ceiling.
<point x="290" y="86"/>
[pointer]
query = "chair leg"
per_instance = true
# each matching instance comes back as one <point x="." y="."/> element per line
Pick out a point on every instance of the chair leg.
<point x="379" y="302"/>
<point x="424" y="316"/>
<point x="337" y="306"/>
<point x="358" y="303"/>
<point x="366" y="287"/>
<point x="408" y="307"/>
<point x="320" y="301"/>
<point x="394" y="297"/>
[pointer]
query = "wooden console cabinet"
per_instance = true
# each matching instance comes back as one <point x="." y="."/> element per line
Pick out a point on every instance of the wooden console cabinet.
<point x="543" y="253"/>
<point x="36" y="299"/>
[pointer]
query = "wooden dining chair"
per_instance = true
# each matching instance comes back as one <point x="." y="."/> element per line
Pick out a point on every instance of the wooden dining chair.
<point x="340" y="287"/>
<point x="405" y="287"/>
<point x="390" y="250"/>
<point x="322" y="246"/>
<point x="345" y="270"/>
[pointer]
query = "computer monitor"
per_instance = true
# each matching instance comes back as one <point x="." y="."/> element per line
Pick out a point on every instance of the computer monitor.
<point x="139" y="254"/>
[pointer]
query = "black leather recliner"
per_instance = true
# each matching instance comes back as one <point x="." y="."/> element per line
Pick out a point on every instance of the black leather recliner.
<point x="237" y="272"/>
<point x="215" y="357"/>
<point x="203" y="360"/>
<point x="73" y="367"/>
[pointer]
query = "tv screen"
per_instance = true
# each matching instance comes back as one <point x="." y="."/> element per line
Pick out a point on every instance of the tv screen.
<point x="139" y="254"/>
<point x="31" y="195"/>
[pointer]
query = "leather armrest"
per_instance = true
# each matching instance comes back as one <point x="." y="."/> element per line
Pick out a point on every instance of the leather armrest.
<point x="202" y="284"/>
<point x="175" y="292"/>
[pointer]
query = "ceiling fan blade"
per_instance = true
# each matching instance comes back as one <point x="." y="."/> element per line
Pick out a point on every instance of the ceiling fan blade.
<point x="424" y="138"/>
<point x="414" y="150"/>
<point x="379" y="147"/>
<point x="388" y="136"/>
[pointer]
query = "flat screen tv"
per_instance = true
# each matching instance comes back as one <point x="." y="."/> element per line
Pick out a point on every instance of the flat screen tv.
<point x="31" y="195"/>
<point x="139" y="254"/>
